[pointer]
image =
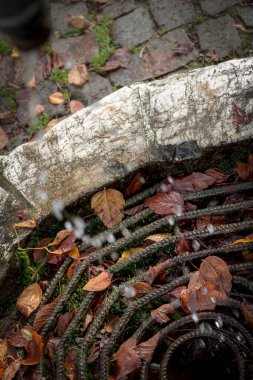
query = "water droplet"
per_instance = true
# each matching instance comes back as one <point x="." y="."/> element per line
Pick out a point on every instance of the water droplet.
<point x="202" y="343"/>
<point x="222" y="338"/>
<point x="142" y="179"/>
<point x="96" y="242"/>
<point x="213" y="299"/>
<point x="204" y="290"/>
<point x="236" y="313"/>
<point x="239" y="337"/>
<point x="43" y="176"/>
<point x="178" y="210"/>
<point x="57" y="209"/>
<point x="210" y="228"/>
<point x="125" y="232"/>
<point x="195" y="317"/>
<point x="129" y="292"/>
<point x="205" y="327"/>
<point x="170" y="179"/>
<point x="219" y="321"/>
<point x="163" y="188"/>
<point x="110" y="238"/>
<point x="79" y="226"/>
<point x="195" y="245"/>
<point x="42" y="195"/>
<point x="114" y="256"/>
<point x="68" y="225"/>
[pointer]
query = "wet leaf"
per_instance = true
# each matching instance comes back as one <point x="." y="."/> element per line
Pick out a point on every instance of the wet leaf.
<point x="34" y="350"/>
<point x="88" y="320"/>
<point x="109" y="206"/>
<point x="100" y="282"/>
<point x="183" y="246"/>
<point x="158" y="237"/>
<point x="142" y="287"/>
<point x="72" y="269"/>
<point x="214" y="221"/>
<point x="247" y="312"/>
<point x="214" y="270"/>
<point x="4" y="139"/>
<point x="26" y="224"/>
<point x="11" y="370"/>
<point x="197" y="181"/>
<point x="29" y="300"/>
<point x="165" y="204"/>
<point x="126" y="358"/>
<point x="43" y="314"/>
<point x="3" y="351"/>
<point x="135" y="186"/>
<point x="78" y="75"/>
<point x="78" y="22"/>
<point x="160" y="314"/>
<point x="218" y="175"/>
<point x="129" y="252"/>
<point x="56" y="98"/>
<point x="146" y="349"/>
<point x="63" y="322"/>
<point x="245" y="170"/>
<point x="240" y="117"/>
<point x="74" y="253"/>
<point x="120" y="58"/>
<point x="154" y="272"/>
<point x="65" y="241"/>
<point x="75" y="105"/>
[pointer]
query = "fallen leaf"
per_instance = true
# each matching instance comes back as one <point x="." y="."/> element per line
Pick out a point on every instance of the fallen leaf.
<point x="214" y="221"/>
<point x="129" y="252"/>
<point x="240" y="117"/>
<point x="109" y="206"/>
<point x="160" y="314"/>
<point x="51" y="124"/>
<point x="51" y="347"/>
<point x="126" y="358"/>
<point x="34" y="350"/>
<point x="183" y="246"/>
<point x="27" y="334"/>
<point x="4" y="139"/>
<point x="120" y="58"/>
<point x="165" y="204"/>
<point x="78" y="75"/>
<point x="56" y="98"/>
<point x="26" y="224"/>
<point x="240" y="27"/>
<point x="158" y="237"/>
<point x="31" y="83"/>
<point x="74" y="253"/>
<point x="75" y="105"/>
<point x="43" y="314"/>
<point x="78" y="22"/>
<point x="63" y="322"/>
<point x="110" y="325"/>
<point x="245" y="170"/>
<point x="3" y="351"/>
<point x="39" y="108"/>
<point x="146" y="349"/>
<point x="15" y="53"/>
<point x="214" y="270"/>
<point x="134" y="210"/>
<point x="94" y="353"/>
<point x="218" y="175"/>
<point x="11" y="370"/>
<point x="72" y="269"/>
<point x="247" y="312"/>
<point x="88" y="320"/>
<point x="64" y="242"/>
<point x="177" y="292"/>
<point x="100" y="282"/>
<point x="40" y="250"/>
<point x="29" y="299"/>
<point x="247" y="239"/>
<point x="70" y="364"/>
<point x="142" y="287"/>
<point x="154" y="272"/>
<point x="16" y="339"/>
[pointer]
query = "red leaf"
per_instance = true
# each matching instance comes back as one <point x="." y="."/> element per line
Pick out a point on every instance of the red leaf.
<point x="65" y="245"/>
<point x="63" y="322"/>
<point x="217" y="174"/>
<point x="135" y="186"/>
<point x="165" y="204"/>
<point x="146" y="349"/>
<point x="240" y="117"/>
<point x="192" y="182"/>
<point x="183" y="246"/>
<point x="109" y="206"/>
<point x="142" y="287"/>
<point x="29" y="300"/>
<point x="155" y="271"/>
<point x="43" y="314"/>
<point x="214" y="270"/>
<point x="88" y="319"/>
<point x="134" y="210"/>
<point x="51" y="347"/>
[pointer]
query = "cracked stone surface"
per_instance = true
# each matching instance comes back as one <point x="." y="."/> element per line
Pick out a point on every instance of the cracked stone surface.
<point x="219" y="35"/>
<point x="118" y="8"/>
<point x="216" y="6"/>
<point x="134" y="28"/>
<point x="171" y="14"/>
<point x="162" y="55"/>
<point x="246" y="14"/>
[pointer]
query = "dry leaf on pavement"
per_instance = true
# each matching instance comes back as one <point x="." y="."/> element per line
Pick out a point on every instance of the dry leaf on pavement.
<point x="29" y="299"/>
<point x="56" y="98"/>
<point x="78" y="75"/>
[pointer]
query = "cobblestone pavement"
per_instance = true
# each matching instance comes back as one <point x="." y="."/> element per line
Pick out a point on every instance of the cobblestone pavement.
<point x="119" y="42"/>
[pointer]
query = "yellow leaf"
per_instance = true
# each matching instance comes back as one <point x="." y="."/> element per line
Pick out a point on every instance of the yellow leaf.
<point x="56" y="98"/>
<point x="15" y="53"/>
<point x="158" y="237"/>
<point x="74" y="253"/>
<point x="248" y="239"/>
<point x="129" y="253"/>
<point x="109" y="206"/>
<point x="100" y="282"/>
<point x="70" y="271"/>
<point x="26" y="224"/>
<point x="32" y="82"/>
<point x="29" y="300"/>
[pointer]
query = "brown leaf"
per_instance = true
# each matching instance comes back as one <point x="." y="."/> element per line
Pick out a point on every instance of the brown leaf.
<point x="110" y="325"/>
<point x="38" y="254"/>
<point x="245" y="171"/>
<point x="75" y="105"/>
<point x="70" y="364"/>
<point x="29" y="300"/>
<point x="214" y="270"/>
<point x="165" y="204"/>
<point x="74" y="253"/>
<point x="154" y="272"/>
<point x="129" y="252"/>
<point x="134" y="210"/>
<point x="56" y="98"/>
<point x="39" y="108"/>
<point x="4" y="139"/>
<point x="51" y="347"/>
<point x="204" y="221"/>
<point x="120" y="58"/>
<point x="158" y="237"/>
<point x="101" y="282"/>
<point x="160" y="314"/>
<point x="135" y="186"/>
<point x="217" y="174"/>
<point x="192" y="182"/>
<point x="43" y="314"/>
<point x="63" y="322"/>
<point x="247" y="312"/>
<point x="126" y="358"/>
<point x="109" y="206"/>
<point x="239" y="116"/>
<point x="78" y="22"/>
<point x="34" y="350"/>
<point x="88" y="320"/>
<point x="95" y="352"/>
<point x="146" y="349"/>
<point x="183" y="246"/>
<point x="16" y="339"/>
<point x="142" y="287"/>
<point x="11" y="370"/>
<point x="78" y="75"/>
<point x="65" y="241"/>
<point x="177" y="292"/>
<point x="3" y="351"/>
<point x="26" y="224"/>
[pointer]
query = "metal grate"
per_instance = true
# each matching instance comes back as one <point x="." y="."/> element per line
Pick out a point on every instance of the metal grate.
<point x="176" y="336"/>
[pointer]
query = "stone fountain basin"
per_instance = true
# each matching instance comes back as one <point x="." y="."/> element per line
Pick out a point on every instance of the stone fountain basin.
<point x="162" y="126"/>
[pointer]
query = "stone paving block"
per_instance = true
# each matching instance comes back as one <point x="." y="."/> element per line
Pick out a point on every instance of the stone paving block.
<point x="118" y="8"/>
<point x="219" y="35"/>
<point x="134" y="28"/>
<point x="95" y="89"/>
<point x="76" y="50"/>
<point x="173" y="13"/>
<point x="246" y="14"/>
<point x="212" y="7"/>
<point x="6" y="70"/>
<point x="163" y="55"/>
<point x="60" y="12"/>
